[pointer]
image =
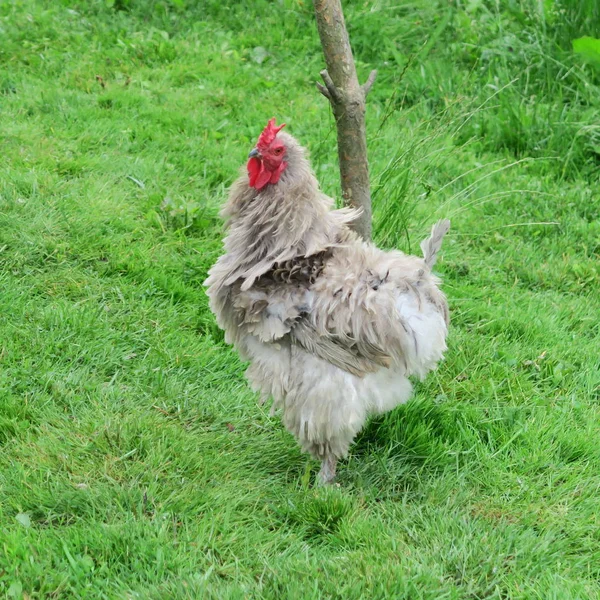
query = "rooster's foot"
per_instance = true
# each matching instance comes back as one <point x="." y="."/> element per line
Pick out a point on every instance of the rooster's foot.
<point x="327" y="472"/>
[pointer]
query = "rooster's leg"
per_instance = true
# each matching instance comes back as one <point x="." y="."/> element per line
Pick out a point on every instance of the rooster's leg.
<point x="327" y="472"/>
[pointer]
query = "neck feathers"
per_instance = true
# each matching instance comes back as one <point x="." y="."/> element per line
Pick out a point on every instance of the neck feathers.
<point x="283" y="221"/>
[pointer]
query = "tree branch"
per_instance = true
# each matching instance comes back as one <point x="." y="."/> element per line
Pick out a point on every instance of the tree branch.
<point x="323" y="90"/>
<point x="347" y="98"/>
<point x="334" y="93"/>
<point x="366" y="87"/>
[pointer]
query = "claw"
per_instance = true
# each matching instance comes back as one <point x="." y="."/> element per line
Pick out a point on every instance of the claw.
<point x="327" y="472"/>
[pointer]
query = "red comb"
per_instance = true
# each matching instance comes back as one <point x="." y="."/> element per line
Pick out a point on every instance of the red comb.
<point x="268" y="134"/>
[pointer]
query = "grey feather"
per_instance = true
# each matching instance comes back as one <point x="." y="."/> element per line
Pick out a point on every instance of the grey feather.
<point x="333" y="351"/>
<point x="433" y="243"/>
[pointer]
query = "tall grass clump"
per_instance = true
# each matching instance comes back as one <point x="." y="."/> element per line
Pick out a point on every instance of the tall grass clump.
<point x="549" y="106"/>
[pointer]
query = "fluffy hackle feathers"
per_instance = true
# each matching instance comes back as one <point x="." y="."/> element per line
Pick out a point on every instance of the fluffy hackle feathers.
<point x="332" y="326"/>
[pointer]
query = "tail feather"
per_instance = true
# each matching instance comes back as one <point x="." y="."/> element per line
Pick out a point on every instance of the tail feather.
<point x="433" y="243"/>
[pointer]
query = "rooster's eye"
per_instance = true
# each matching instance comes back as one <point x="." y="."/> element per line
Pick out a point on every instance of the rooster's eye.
<point x="278" y="150"/>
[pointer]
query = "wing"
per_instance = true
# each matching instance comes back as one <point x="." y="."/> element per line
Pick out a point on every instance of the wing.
<point x="269" y="314"/>
<point x="275" y="314"/>
<point x="272" y="306"/>
<point x="343" y="355"/>
<point x="360" y="311"/>
<point x="374" y="309"/>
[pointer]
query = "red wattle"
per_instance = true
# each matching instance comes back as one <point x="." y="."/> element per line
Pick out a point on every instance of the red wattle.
<point x="253" y="167"/>
<point x="259" y="175"/>
<point x="263" y="178"/>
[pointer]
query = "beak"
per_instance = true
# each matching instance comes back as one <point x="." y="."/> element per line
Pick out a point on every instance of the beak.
<point x="254" y="153"/>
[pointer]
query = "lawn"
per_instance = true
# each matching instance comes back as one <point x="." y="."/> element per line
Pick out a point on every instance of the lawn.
<point x="134" y="460"/>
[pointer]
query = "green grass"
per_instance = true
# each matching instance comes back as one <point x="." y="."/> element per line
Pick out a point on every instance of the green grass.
<point x="135" y="462"/>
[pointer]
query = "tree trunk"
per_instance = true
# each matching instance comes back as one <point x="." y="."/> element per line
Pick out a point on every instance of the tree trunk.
<point x="347" y="98"/>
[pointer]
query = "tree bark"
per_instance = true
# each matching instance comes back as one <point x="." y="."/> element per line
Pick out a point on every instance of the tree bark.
<point x="347" y="98"/>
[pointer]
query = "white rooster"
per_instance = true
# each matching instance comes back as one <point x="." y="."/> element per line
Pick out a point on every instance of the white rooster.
<point x="332" y="326"/>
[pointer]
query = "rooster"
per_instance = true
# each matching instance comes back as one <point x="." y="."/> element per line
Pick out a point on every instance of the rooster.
<point x="332" y="326"/>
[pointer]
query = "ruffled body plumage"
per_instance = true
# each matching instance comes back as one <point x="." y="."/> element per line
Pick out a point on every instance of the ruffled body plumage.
<point x="333" y="327"/>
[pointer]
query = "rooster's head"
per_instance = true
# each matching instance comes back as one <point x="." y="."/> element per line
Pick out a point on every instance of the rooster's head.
<point x="267" y="162"/>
